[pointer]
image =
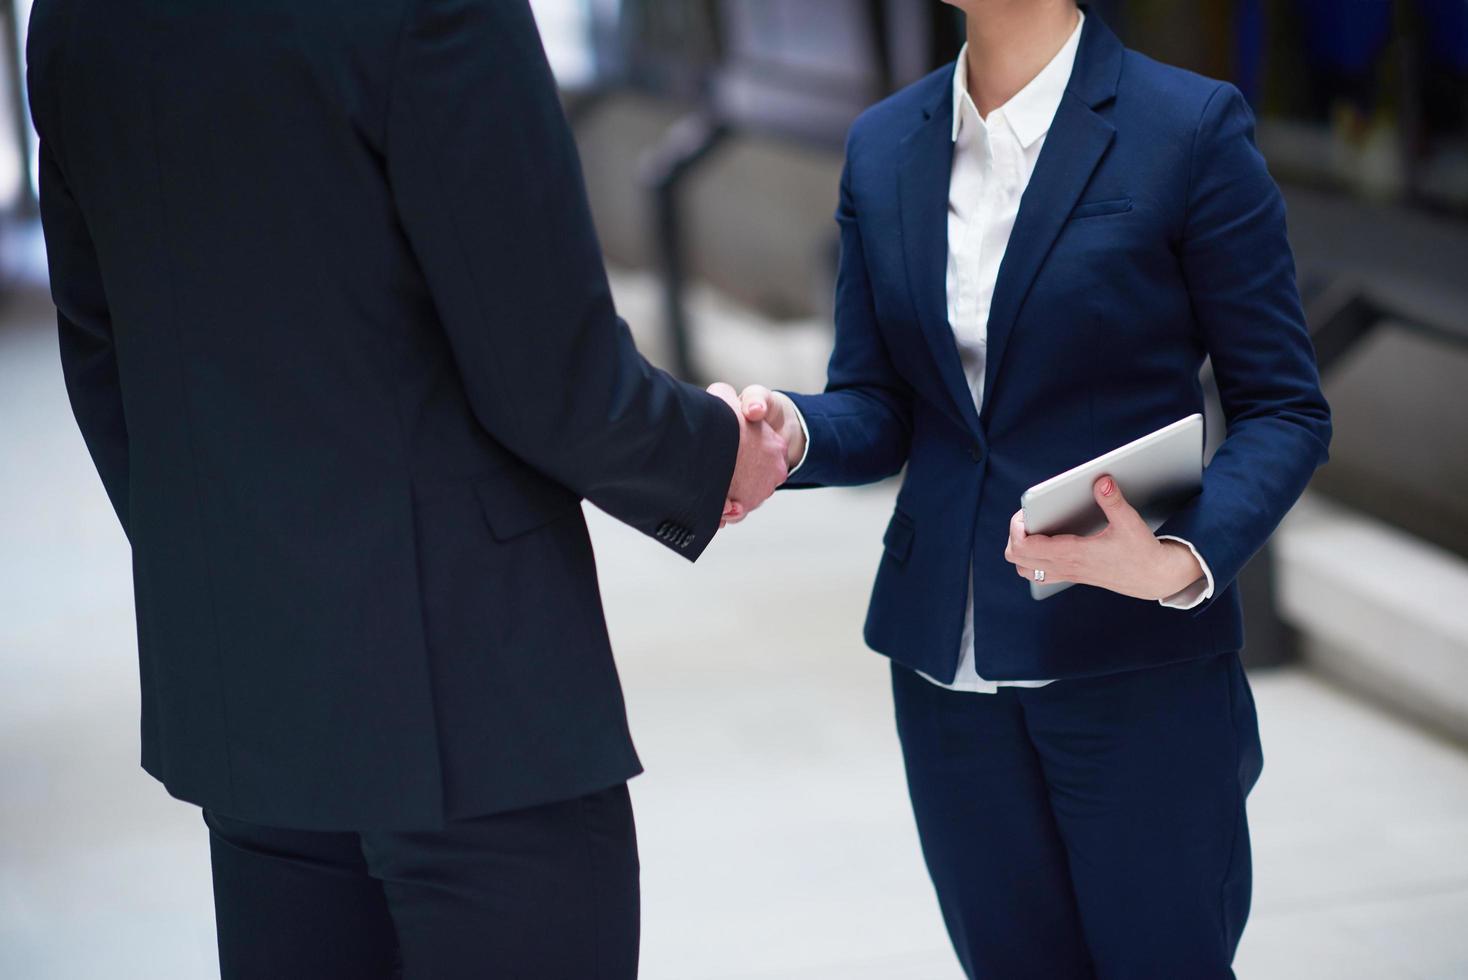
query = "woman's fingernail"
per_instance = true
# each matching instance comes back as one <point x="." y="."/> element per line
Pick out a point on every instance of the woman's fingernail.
<point x="1107" y="487"/>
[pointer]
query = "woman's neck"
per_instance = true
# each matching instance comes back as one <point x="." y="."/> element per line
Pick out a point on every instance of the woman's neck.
<point x="1010" y="42"/>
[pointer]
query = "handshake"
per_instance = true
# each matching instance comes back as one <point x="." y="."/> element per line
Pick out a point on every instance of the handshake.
<point x="771" y="443"/>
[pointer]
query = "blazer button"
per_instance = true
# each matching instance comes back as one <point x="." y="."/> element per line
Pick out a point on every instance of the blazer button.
<point x="976" y="453"/>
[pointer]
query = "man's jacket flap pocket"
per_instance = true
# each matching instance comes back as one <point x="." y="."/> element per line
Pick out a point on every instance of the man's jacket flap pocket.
<point x="898" y="539"/>
<point x="516" y="501"/>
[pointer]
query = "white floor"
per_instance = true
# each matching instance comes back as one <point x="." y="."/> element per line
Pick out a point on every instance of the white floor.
<point x="776" y="840"/>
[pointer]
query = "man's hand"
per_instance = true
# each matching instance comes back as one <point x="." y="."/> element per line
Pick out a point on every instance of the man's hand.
<point x="1126" y="557"/>
<point x="761" y="465"/>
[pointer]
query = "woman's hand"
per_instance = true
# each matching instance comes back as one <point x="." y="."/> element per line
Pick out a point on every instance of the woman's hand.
<point x="1126" y="557"/>
<point x="760" y="404"/>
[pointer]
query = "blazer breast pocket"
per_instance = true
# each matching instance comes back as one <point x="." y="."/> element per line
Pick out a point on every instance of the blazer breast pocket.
<point x="1096" y="209"/>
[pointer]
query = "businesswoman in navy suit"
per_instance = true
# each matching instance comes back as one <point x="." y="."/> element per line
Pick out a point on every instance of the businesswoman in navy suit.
<point x="1040" y="246"/>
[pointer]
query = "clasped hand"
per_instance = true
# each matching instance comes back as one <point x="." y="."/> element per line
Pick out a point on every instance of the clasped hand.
<point x="771" y="442"/>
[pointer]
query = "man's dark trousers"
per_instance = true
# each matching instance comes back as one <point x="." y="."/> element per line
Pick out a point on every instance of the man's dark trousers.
<point x="549" y="892"/>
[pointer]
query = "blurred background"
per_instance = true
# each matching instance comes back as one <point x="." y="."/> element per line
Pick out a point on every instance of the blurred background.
<point x="776" y="837"/>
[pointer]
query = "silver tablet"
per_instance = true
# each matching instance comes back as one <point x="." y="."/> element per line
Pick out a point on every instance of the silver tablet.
<point x="1158" y="473"/>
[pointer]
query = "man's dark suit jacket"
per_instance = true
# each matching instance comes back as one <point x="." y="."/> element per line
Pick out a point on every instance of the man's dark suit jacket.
<point x="337" y="333"/>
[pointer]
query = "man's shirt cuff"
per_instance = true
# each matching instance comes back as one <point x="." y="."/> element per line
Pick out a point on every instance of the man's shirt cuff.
<point x="1197" y="593"/>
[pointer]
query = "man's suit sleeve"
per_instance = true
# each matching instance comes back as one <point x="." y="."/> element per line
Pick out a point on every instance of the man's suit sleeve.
<point x="489" y="190"/>
<point x="1240" y="275"/>
<point x="88" y="349"/>
<point x="860" y="428"/>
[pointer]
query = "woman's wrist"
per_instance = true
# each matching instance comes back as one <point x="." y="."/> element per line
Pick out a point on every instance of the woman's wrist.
<point x="1180" y="568"/>
<point x="792" y="429"/>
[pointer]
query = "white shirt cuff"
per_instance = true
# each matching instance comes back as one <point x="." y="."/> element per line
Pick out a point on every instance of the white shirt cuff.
<point x="806" y="430"/>
<point x="1197" y="593"/>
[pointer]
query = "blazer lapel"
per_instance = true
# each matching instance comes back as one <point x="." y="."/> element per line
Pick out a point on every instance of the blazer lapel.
<point x="1077" y="140"/>
<point x="923" y="174"/>
<point x="1078" y="137"/>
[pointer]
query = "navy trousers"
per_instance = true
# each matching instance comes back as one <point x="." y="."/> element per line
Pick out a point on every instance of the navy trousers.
<point x="549" y="892"/>
<point x="1091" y="828"/>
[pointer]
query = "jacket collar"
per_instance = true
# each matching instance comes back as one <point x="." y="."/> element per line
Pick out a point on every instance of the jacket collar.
<point x="1093" y="79"/>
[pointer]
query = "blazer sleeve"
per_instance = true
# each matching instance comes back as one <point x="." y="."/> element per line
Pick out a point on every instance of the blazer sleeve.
<point x="860" y="429"/>
<point x="489" y="190"/>
<point x="1240" y="276"/>
<point x="88" y="348"/>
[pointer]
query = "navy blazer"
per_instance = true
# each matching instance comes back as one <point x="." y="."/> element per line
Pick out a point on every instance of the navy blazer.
<point x="1150" y="236"/>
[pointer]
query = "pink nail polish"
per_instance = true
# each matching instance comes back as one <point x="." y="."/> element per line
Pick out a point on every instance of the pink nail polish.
<point x="1107" y="487"/>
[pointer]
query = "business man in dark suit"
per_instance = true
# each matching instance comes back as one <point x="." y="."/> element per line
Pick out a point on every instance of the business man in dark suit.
<point x="336" y="330"/>
<point x="1040" y="245"/>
